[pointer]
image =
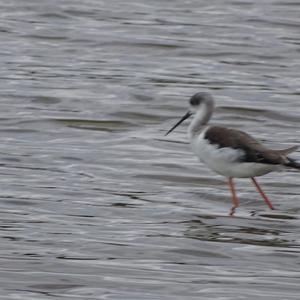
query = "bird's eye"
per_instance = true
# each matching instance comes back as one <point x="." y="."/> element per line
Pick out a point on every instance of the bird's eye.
<point x="195" y="101"/>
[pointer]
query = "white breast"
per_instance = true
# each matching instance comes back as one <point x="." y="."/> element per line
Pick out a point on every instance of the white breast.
<point x="227" y="161"/>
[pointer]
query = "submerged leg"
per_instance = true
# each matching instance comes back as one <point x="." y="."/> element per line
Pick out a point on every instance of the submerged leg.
<point x="262" y="193"/>
<point x="235" y="200"/>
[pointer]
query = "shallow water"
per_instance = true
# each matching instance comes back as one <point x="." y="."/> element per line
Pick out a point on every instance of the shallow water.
<point x="95" y="202"/>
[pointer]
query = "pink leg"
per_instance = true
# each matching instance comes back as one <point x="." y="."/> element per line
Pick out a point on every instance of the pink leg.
<point x="262" y="193"/>
<point x="235" y="200"/>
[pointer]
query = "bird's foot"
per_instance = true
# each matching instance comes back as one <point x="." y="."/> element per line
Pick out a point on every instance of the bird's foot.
<point x="232" y="211"/>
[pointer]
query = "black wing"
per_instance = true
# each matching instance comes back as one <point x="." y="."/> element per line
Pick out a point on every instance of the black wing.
<point x="253" y="150"/>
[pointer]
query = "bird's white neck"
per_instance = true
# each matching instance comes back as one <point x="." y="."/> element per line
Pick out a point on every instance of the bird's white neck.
<point x="201" y="118"/>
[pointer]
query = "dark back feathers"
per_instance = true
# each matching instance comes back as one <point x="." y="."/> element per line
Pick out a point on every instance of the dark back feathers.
<point x="254" y="151"/>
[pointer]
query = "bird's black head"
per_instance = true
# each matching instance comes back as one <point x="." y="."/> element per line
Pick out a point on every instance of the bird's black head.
<point x="199" y="98"/>
<point x="195" y="102"/>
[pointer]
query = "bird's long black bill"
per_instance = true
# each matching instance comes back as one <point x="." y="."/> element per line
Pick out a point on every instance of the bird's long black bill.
<point x="187" y="115"/>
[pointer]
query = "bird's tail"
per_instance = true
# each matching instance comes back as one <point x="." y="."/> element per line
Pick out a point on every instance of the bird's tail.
<point x="288" y="150"/>
<point x="293" y="164"/>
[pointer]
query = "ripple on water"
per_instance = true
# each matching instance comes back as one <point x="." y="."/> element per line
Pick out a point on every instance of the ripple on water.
<point x="105" y="125"/>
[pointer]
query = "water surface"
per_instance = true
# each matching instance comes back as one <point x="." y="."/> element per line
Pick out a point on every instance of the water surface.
<point x="95" y="202"/>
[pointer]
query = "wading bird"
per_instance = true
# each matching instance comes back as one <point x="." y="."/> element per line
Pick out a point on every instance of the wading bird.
<point x="230" y="152"/>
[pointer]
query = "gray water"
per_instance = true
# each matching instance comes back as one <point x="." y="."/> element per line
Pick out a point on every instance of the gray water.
<point x="95" y="202"/>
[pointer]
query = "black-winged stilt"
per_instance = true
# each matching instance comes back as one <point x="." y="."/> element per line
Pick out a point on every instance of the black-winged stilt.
<point x="229" y="152"/>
